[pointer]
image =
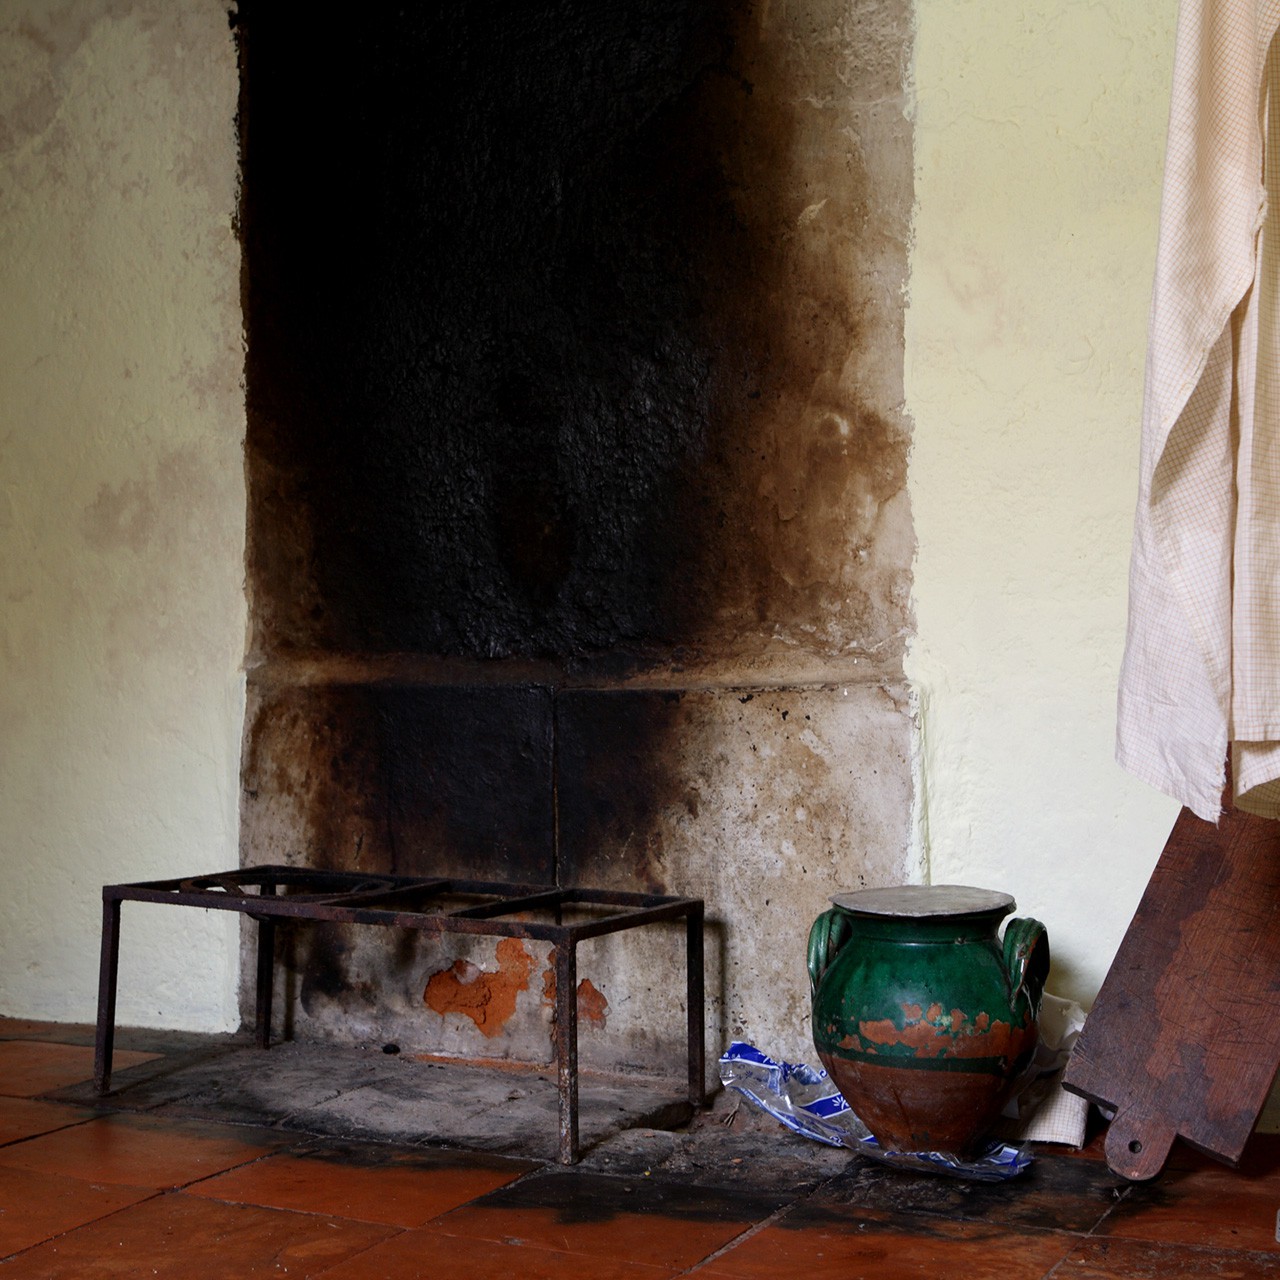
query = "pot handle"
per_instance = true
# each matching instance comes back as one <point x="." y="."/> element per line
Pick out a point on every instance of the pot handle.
<point x="828" y="933"/>
<point x="1026" y="958"/>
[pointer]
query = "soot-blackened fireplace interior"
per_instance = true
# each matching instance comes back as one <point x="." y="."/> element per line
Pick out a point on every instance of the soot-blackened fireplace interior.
<point x="555" y="444"/>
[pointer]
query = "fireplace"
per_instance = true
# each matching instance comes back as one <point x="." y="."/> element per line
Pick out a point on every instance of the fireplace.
<point x="579" y="548"/>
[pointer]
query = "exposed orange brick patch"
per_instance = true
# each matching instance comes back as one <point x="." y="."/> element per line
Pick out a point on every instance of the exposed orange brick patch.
<point x="592" y="1006"/>
<point x="488" y="999"/>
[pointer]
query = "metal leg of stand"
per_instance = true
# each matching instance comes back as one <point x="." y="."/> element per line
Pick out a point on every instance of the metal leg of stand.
<point x="696" y="1008"/>
<point x="266" y="968"/>
<point x="567" y="1048"/>
<point x="108" y="970"/>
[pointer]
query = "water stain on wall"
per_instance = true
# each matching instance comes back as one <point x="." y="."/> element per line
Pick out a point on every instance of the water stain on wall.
<point x="122" y="515"/>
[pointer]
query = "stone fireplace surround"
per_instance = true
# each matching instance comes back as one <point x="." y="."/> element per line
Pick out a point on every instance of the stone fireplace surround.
<point x="579" y="546"/>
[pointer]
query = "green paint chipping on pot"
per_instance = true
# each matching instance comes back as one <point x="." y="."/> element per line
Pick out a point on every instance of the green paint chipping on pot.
<point x="923" y="1017"/>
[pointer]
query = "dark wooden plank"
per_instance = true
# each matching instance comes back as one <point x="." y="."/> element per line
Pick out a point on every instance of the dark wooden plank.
<point x="1184" y="1039"/>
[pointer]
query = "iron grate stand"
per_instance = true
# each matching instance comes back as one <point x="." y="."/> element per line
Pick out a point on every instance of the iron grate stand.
<point x="272" y="893"/>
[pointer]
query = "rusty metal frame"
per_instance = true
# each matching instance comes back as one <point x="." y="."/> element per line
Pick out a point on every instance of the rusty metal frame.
<point x="272" y="893"/>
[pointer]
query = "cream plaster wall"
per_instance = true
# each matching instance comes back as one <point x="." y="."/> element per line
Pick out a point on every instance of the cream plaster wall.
<point x="122" y="615"/>
<point x="1038" y="151"/>
<point x="1039" y="146"/>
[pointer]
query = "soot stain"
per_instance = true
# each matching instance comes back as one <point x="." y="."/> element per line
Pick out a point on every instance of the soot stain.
<point x="473" y="364"/>
<point x="313" y="780"/>
<point x="613" y="775"/>
<point x="323" y="973"/>
<point x="407" y="780"/>
<point x="470" y="781"/>
<point x="524" y="305"/>
<point x="602" y="1198"/>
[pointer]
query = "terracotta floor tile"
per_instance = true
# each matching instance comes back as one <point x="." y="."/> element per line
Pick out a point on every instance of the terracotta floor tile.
<point x="180" y="1237"/>
<point x="1097" y="1259"/>
<point x="35" y="1206"/>
<point x="140" y="1151"/>
<point x="29" y="1067"/>
<point x="24" y="1118"/>
<point x="925" y="1247"/>
<point x="640" y="1219"/>
<point x="369" y="1184"/>
<point x="415" y="1254"/>
<point x="639" y="1238"/>
<point x="1209" y="1205"/>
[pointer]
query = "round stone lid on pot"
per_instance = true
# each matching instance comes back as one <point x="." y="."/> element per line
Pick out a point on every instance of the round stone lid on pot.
<point x="920" y="900"/>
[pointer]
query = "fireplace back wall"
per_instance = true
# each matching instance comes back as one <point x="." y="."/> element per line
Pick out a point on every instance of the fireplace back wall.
<point x="578" y="539"/>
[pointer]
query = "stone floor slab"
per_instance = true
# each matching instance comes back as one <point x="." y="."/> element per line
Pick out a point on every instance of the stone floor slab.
<point x="363" y="1093"/>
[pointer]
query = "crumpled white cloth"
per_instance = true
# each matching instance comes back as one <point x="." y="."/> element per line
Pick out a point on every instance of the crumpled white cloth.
<point x="1201" y="670"/>
<point x="1041" y="1109"/>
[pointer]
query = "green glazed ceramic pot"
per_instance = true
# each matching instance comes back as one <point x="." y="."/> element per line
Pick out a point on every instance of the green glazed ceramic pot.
<point x="922" y="1016"/>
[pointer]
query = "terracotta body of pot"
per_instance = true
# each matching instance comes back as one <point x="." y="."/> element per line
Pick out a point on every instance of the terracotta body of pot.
<point x="924" y="1019"/>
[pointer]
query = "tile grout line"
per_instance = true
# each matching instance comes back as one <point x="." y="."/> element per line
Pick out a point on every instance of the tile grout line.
<point x="360" y="1253"/>
<point x="740" y="1238"/>
<point x="179" y="1189"/>
<point x="1121" y="1196"/>
<point x="59" y="1235"/>
<point x="31" y="1137"/>
<point x="1062" y="1261"/>
<point x="757" y="1227"/>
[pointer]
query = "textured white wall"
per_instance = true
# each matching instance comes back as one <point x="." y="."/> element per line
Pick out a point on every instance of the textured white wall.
<point x="121" y="499"/>
<point x="1039" y="146"/>
<point x="1038" y="151"/>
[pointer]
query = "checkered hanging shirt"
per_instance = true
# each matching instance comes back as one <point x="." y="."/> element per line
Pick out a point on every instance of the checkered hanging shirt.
<point x="1201" y="667"/>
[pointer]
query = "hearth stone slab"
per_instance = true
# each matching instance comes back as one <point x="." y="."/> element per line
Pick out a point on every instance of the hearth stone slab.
<point x="335" y="1091"/>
